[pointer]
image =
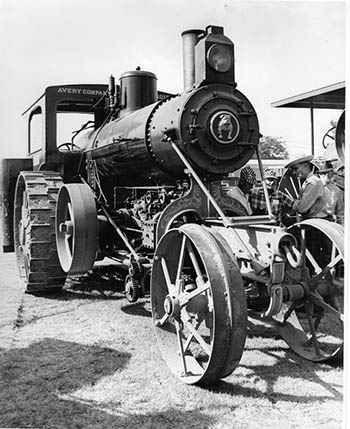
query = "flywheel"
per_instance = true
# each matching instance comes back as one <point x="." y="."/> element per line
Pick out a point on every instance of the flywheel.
<point x="76" y="228"/>
<point x="34" y="230"/>
<point x="198" y="305"/>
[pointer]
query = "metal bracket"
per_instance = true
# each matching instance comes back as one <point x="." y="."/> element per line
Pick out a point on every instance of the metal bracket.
<point x="277" y="272"/>
<point x="276" y="301"/>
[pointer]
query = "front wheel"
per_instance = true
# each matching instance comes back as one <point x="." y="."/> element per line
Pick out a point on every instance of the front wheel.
<point x="198" y="305"/>
<point x="312" y="324"/>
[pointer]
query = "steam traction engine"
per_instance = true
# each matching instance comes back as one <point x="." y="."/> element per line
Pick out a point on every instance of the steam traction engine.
<point x="140" y="184"/>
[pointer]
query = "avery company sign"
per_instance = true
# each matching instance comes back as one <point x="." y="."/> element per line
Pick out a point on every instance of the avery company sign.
<point x="80" y="91"/>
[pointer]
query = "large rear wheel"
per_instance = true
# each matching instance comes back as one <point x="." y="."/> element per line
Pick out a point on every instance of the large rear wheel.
<point x="198" y="305"/>
<point x="34" y="230"/>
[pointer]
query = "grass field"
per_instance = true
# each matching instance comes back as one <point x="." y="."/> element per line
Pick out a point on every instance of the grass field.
<point x="87" y="358"/>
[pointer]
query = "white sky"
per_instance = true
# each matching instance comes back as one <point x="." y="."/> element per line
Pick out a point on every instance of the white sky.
<point x="282" y="48"/>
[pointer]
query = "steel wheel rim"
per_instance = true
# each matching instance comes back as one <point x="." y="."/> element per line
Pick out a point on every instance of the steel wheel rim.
<point x="192" y="309"/>
<point x="313" y="326"/>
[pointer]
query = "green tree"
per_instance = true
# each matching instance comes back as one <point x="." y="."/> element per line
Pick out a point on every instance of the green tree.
<point x="273" y="148"/>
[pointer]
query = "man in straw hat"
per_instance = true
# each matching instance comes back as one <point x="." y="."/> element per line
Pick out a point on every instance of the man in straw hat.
<point x="334" y="195"/>
<point x="281" y="203"/>
<point x="311" y="201"/>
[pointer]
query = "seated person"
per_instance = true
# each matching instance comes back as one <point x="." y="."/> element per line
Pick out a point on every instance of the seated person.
<point x="247" y="180"/>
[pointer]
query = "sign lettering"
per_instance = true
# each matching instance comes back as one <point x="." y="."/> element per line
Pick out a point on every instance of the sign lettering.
<point x="80" y="91"/>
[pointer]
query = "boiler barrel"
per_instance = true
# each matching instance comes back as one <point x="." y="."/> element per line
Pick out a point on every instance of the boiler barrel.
<point x="120" y="151"/>
<point x="215" y="126"/>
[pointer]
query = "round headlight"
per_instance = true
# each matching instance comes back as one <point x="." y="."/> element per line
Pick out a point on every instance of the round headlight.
<point x="220" y="58"/>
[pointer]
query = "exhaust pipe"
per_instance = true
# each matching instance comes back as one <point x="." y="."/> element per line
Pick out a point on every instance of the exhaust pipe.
<point x="189" y="41"/>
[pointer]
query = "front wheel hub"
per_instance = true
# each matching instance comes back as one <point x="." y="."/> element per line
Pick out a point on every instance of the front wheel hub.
<point x="295" y="292"/>
<point x="172" y="306"/>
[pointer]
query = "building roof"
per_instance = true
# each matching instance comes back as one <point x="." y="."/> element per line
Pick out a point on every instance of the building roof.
<point x="327" y="97"/>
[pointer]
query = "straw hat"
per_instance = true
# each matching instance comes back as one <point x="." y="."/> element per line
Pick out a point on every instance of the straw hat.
<point x="298" y="160"/>
<point x="270" y="174"/>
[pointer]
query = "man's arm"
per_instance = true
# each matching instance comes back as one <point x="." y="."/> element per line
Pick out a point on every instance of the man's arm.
<point x="310" y="195"/>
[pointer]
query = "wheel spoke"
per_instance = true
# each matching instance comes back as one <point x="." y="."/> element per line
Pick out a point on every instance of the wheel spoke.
<point x="185" y="299"/>
<point x="312" y="260"/>
<point x="206" y="347"/>
<point x="325" y="270"/>
<point x="318" y="320"/>
<point x="181" y="348"/>
<point x="70" y="211"/>
<point x="181" y="262"/>
<point x="320" y="301"/>
<point x="170" y="286"/>
<point x="290" y="310"/>
<point x="161" y="321"/>
<point x="195" y="262"/>
<point x="191" y="336"/>
<point x="68" y="245"/>
<point x="333" y="255"/>
<point x="309" y="312"/>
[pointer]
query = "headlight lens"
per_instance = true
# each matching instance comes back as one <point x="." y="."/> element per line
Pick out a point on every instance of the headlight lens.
<point x="220" y="58"/>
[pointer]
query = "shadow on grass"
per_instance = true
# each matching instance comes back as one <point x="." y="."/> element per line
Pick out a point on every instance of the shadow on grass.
<point x="260" y="328"/>
<point x="287" y="364"/>
<point x="138" y="309"/>
<point x="291" y="366"/>
<point x="104" y="282"/>
<point x="38" y="384"/>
